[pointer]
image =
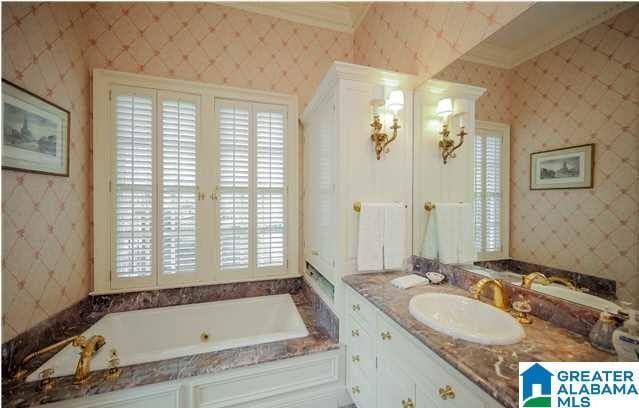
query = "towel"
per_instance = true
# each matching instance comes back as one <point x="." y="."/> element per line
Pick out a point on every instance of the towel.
<point x="405" y="282"/>
<point x="394" y="238"/>
<point x="370" y="251"/>
<point x="429" y="245"/>
<point x="455" y="233"/>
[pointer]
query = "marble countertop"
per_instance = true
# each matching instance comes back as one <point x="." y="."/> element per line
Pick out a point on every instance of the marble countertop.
<point x="492" y="368"/>
<point x="318" y="340"/>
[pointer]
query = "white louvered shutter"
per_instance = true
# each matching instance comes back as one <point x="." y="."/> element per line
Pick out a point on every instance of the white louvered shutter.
<point x="270" y="189"/>
<point x="234" y="184"/>
<point x="489" y="186"/>
<point x="178" y="131"/>
<point x="134" y="227"/>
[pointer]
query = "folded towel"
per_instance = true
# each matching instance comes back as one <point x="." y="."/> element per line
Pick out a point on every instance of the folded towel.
<point x="455" y="233"/>
<point x="370" y="245"/>
<point x="405" y="282"/>
<point x="394" y="238"/>
<point x="429" y="245"/>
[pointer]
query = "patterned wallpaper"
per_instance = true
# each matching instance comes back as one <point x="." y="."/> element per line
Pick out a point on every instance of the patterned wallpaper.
<point x="46" y="236"/>
<point x="494" y="105"/>
<point x="585" y="90"/>
<point x="422" y="38"/>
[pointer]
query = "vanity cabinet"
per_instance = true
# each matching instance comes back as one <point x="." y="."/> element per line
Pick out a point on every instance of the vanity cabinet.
<point x="387" y="367"/>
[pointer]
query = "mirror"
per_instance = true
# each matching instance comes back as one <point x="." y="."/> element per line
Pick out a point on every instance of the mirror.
<point x="548" y="168"/>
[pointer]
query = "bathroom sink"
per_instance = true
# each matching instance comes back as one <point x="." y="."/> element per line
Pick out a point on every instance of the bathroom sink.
<point x="466" y="319"/>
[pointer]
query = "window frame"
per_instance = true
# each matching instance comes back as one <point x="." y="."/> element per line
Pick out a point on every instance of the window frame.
<point x="504" y="130"/>
<point x="208" y="271"/>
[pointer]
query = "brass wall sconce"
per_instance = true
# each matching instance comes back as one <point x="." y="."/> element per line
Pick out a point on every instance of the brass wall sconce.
<point x="380" y="139"/>
<point x="395" y="103"/>
<point x="447" y="145"/>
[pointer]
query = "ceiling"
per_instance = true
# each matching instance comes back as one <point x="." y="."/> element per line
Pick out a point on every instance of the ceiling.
<point x="339" y="16"/>
<point x="540" y="28"/>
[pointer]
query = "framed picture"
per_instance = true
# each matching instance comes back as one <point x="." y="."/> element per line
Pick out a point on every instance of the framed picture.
<point x="569" y="167"/>
<point x="35" y="133"/>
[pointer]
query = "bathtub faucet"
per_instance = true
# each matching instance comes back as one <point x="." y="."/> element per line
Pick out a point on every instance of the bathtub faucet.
<point x="89" y="348"/>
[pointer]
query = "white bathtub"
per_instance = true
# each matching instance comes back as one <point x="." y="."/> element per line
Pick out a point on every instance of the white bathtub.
<point x="156" y="334"/>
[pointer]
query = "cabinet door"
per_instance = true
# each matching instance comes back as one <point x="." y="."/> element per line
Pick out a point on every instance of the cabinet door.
<point x="395" y="389"/>
<point x="423" y="399"/>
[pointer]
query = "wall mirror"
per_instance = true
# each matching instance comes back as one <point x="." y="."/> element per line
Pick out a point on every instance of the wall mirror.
<point x="534" y="135"/>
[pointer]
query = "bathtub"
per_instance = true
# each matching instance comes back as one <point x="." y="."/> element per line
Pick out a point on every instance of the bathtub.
<point x="143" y="336"/>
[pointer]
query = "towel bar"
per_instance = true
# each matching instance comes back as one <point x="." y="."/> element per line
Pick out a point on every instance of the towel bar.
<point x="357" y="206"/>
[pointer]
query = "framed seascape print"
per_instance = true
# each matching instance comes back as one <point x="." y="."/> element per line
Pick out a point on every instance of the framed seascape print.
<point x="35" y="133"/>
<point x="569" y="167"/>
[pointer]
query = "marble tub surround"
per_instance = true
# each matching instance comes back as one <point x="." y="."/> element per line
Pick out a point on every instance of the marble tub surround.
<point x="601" y="287"/>
<point x="493" y="368"/>
<point x="77" y="318"/>
<point x="318" y="340"/>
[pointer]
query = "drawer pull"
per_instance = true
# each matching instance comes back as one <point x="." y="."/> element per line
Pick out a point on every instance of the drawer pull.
<point x="355" y="308"/>
<point x="355" y="333"/>
<point x="408" y="404"/>
<point x="355" y="358"/>
<point x="355" y="390"/>
<point x="447" y="393"/>
<point x="386" y="335"/>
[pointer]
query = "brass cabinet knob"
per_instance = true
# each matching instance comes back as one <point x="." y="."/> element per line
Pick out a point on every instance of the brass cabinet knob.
<point x="355" y="333"/>
<point x="408" y="403"/>
<point x="355" y="358"/>
<point x="386" y="335"/>
<point x="447" y="393"/>
<point x="355" y="390"/>
<point x="356" y="308"/>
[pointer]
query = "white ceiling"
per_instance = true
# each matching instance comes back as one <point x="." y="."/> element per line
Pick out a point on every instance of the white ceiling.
<point x="540" y="28"/>
<point x="339" y="16"/>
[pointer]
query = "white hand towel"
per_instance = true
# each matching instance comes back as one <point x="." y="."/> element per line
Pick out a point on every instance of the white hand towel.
<point x="405" y="282"/>
<point x="447" y="234"/>
<point x="370" y="238"/>
<point x="429" y="245"/>
<point x="465" y="225"/>
<point x="395" y="250"/>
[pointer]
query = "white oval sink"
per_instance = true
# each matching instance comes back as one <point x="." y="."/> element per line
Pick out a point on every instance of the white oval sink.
<point x="466" y="319"/>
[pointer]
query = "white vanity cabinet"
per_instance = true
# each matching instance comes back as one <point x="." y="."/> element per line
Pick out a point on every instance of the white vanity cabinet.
<point x="387" y="367"/>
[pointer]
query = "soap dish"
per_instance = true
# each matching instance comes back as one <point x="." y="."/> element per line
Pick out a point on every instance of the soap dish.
<point x="435" y="277"/>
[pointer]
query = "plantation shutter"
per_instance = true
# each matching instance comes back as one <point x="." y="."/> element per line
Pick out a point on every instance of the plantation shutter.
<point x="270" y="187"/>
<point x="134" y="226"/>
<point x="234" y="179"/>
<point x="178" y="130"/>
<point x="489" y="186"/>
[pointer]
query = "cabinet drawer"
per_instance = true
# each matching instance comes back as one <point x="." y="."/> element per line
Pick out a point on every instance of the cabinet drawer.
<point x="434" y="376"/>
<point x="362" y="389"/>
<point x="361" y="348"/>
<point x="361" y="309"/>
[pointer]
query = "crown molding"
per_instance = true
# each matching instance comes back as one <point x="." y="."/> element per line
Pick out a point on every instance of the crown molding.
<point x="488" y="54"/>
<point x="332" y="16"/>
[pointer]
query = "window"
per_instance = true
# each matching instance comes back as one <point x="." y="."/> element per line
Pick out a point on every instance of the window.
<point x="491" y="190"/>
<point x="252" y="220"/>
<point x="190" y="183"/>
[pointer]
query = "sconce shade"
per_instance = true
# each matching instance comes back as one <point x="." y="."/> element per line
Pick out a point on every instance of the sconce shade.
<point x="444" y="107"/>
<point x="378" y="96"/>
<point x="396" y="101"/>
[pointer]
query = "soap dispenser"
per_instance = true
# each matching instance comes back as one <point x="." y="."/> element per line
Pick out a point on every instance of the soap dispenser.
<point x="626" y="338"/>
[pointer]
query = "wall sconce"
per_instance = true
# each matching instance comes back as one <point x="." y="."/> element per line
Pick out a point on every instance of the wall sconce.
<point x="447" y="145"/>
<point x="380" y="139"/>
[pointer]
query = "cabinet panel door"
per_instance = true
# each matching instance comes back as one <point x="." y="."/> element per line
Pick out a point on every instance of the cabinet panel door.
<point x="422" y="399"/>
<point x="395" y="389"/>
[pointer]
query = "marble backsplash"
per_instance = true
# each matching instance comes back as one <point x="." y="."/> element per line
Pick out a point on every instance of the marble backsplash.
<point x="83" y="314"/>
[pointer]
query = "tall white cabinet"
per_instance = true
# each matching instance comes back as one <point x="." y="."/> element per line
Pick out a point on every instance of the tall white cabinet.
<point x="340" y="166"/>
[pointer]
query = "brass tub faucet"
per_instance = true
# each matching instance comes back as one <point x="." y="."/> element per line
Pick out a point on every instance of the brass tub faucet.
<point x="499" y="296"/>
<point x="528" y="280"/>
<point x="89" y="348"/>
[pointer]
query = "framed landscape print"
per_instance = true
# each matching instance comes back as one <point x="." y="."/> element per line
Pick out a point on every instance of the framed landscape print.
<point x="35" y="133"/>
<point x="569" y="167"/>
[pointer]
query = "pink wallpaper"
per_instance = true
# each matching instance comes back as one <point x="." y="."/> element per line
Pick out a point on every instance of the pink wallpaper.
<point x="422" y="38"/>
<point x="586" y="90"/>
<point x="46" y="238"/>
<point x="51" y="48"/>
<point x="494" y="105"/>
